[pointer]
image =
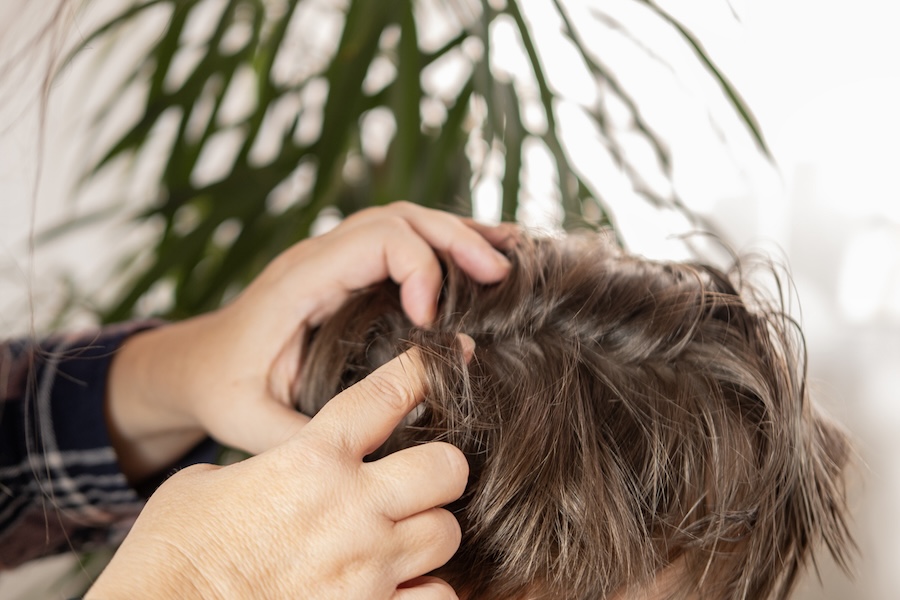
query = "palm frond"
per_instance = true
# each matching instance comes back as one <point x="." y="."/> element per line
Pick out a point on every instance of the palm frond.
<point x="221" y="225"/>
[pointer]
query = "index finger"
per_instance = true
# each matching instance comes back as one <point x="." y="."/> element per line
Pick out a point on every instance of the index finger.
<point x="360" y="419"/>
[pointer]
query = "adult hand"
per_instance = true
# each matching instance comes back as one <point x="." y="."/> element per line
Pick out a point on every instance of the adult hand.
<point x="231" y="373"/>
<point x="306" y="519"/>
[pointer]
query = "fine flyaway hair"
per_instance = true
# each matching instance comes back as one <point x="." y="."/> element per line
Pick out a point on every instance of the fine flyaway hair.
<point x="626" y="422"/>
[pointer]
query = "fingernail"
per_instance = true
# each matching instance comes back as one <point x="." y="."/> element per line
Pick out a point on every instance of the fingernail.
<point x="513" y="235"/>
<point x="501" y="260"/>
<point x="426" y="319"/>
<point x="468" y="345"/>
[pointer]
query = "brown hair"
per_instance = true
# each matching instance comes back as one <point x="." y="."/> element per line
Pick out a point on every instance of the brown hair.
<point x="619" y="416"/>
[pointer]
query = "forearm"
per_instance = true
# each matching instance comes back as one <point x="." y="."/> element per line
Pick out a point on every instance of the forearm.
<point x="146" y="413"/>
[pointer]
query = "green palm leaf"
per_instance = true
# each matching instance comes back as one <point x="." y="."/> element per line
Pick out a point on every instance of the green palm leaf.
<point x="221" y="226"/>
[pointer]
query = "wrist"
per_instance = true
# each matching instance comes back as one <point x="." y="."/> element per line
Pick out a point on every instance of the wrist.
<point x="148" y="423"/>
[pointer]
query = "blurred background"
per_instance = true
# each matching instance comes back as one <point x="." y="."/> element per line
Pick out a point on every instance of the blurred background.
<point x="188" y="143"/>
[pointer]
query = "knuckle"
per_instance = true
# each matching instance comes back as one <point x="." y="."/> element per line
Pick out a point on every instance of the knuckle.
<point x="319" y="457"/>
<point x="329" y="451"/>
<point x="361" y="214"/>
<point x="193" y="471"/>
<point x="187" y="478"/>
<point x="395" y="395"/>
<point x="396" y="225"/>
<point x="403" y="205"/>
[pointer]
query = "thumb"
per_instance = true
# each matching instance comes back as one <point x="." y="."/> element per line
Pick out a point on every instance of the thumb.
<point x="266" y="425"/>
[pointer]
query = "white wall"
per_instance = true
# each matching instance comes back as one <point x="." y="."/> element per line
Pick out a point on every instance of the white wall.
<point x="824" y="80"/>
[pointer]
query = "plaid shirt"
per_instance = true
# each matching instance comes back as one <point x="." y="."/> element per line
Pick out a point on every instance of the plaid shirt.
<point x="60" y="484"/>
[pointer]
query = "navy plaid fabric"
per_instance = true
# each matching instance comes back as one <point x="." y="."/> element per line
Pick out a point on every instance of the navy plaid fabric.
<point x="60" y="484"/>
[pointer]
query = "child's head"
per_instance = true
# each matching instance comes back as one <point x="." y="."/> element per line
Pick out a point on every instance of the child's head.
<point x="626" y="422"/>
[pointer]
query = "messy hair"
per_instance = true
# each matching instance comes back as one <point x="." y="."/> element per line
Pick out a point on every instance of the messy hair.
<point x="620" y="416"/>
